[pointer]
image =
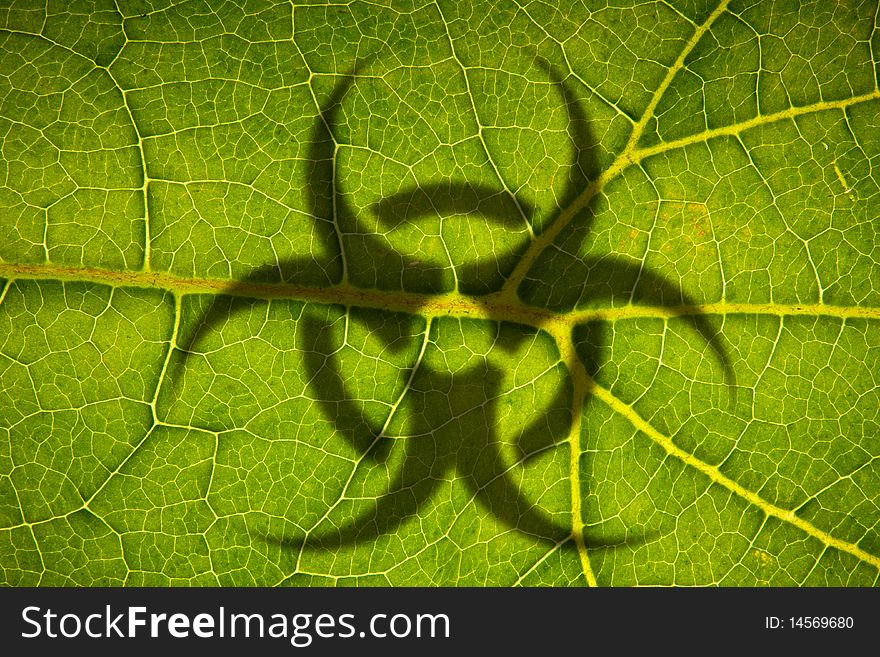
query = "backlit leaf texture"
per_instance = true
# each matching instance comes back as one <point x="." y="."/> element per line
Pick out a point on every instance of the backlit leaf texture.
<point x="447" y="293"/>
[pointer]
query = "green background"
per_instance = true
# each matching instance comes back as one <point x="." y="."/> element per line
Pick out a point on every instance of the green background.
<point x="154" y="154"/>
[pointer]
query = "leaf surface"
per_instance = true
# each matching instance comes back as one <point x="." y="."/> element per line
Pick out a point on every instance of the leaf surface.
<point x="439" y="294"/>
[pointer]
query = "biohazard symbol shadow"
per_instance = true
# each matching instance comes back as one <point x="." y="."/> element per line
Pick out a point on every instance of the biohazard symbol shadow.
<point x="463" y="446"/>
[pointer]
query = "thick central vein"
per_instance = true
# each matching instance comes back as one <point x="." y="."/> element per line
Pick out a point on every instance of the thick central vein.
<point x="580" y="390"/>
<point x="451" y="304"/>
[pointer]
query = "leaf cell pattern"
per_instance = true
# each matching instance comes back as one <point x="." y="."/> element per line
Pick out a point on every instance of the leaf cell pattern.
<point x="268" y="321"/>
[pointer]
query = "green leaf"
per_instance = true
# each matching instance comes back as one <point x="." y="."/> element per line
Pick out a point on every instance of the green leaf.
<point x="439" y="293"/>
